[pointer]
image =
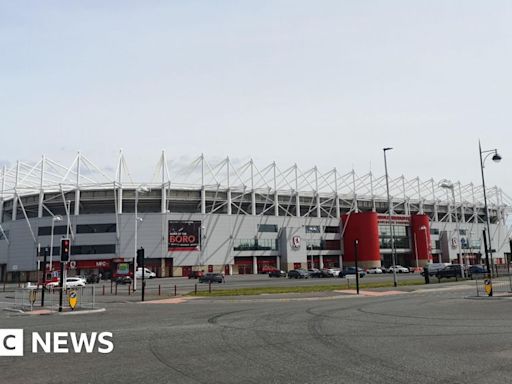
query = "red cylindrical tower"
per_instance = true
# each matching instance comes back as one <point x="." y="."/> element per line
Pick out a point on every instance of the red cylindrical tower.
<point x="362" y="226"/>
<point x="422" y="245"/>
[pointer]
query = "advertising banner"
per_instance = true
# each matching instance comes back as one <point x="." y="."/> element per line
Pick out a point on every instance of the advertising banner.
<point x="184" y="235"/>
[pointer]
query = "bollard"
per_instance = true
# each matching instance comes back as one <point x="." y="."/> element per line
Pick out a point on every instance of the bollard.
<point x="158" y="289"/>
<point x="210" y="287"/>
<point x="129" y="289"/>
<point x="195" y="289"/>
<point x="103" y="290"/>
<point x="116" y="289"/>
<point x="175" y="290"/>
<point x="111" y="283"/>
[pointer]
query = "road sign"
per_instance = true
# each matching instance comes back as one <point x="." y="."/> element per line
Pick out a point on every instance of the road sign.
<point x="488" y="287"/>
<point x="73" y="299"/>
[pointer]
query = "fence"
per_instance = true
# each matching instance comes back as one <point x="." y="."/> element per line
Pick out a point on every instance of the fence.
<point x="501" y="285"/>
<point x="31" y="297"/>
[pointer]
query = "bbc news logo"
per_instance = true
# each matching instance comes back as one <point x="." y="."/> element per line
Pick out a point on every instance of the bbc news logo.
<point x="11" y="342"/>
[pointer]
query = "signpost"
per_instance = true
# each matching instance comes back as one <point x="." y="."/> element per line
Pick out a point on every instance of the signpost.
<point x="140" y="261"/>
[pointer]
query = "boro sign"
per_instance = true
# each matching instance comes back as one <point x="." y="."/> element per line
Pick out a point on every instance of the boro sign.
<point x="184" y="235"/>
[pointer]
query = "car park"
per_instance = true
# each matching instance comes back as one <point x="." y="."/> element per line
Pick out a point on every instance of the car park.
<point x="276" y="273"/>
<point x="374" y="270"/>
<point x="211" y="278"/>
<point x="298" y="274"/>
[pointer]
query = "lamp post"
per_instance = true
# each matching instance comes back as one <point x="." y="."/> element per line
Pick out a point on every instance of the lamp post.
<point x="390" y="208"/>
<point x="139" y="189"/>
<point x="54" y="219"/>
<point x="446" y="184"/>
<point x="496" y="158"/>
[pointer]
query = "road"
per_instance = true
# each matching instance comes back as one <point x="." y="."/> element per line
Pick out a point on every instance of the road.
<point x="429" y="336"/>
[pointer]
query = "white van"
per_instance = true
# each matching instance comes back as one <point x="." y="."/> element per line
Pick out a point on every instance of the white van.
<point x="147" y="274"/>
<point x="432" y="268"/>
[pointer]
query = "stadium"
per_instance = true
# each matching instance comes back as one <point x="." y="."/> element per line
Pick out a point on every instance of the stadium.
<point x="237" y="218"/>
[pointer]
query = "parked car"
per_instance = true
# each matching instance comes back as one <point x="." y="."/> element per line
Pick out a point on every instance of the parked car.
<point x="398" y="269"/>
<point x="148" y="274"/>
<point x="276" y="273"/>
<point x="432" y="268"/>
<point x="298" y="274"/>
<point x="352" y="271"/>
<point x="476" y="270"/>
<point x="330" y="272"/>
<point x="211" y="278"/>
<point x="374" y="270"/>
<point x="71" y="282"/>
<point x="314" y="272"/>
<point x="196" y="274"/>
<point x="454" y="270"/>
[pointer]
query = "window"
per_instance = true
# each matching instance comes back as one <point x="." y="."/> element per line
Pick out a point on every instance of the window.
<point x="255" y="245"/>
<point x="95" y="249"/>
<point x="434" y="231"/>
<point x="96" y="228"/>
<point x="332" y="229"/>
<point x="267" y="228"/>
<point x="400" y="236"/>
<point x="312" y="228"/>
<point x="398" y="230"/>
<point x="315" y="244"/>
<point x="57" y="230"/>
<point x="462" y="232"/>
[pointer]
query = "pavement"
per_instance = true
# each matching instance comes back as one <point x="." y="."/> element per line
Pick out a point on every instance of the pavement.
<point x="431" y="334"/>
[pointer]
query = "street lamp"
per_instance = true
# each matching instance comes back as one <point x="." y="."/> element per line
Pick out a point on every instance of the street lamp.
<point x="446" y="184"/>
<point x="389" y="217"/>
<point x="496" y="158"/>
<point x="139" y="189"/>
<point x="54" y="219"/>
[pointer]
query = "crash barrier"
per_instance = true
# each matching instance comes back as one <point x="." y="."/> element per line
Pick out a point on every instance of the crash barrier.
<point x="73" y="299"/>
<point x="496" y="286"/>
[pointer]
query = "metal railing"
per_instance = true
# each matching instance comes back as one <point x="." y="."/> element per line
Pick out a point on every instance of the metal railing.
<point x="501" y="286"/>
<point x="30" y="298"/>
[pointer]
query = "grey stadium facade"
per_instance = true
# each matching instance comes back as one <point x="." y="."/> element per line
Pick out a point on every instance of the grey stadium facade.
<point x="234" y="218"/>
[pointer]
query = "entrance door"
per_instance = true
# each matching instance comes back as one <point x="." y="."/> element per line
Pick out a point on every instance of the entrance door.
<point x="226" y="270"/>
<point x="186" y="271"/>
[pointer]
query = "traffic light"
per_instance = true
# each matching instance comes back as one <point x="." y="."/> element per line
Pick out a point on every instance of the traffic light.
<point x="65" y="250"/>
<point x="140" y="256"/>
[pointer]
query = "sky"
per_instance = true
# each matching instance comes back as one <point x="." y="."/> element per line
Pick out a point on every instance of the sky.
<point x="326" y="83"/>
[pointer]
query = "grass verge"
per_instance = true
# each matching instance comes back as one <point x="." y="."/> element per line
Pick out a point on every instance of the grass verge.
<point x="300" y="289"/>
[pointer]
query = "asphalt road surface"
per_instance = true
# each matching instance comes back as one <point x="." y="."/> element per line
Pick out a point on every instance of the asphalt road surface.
<point x="434" y="336"/>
